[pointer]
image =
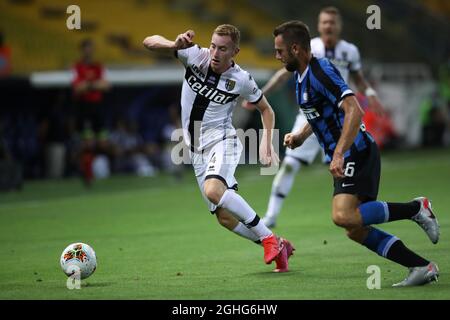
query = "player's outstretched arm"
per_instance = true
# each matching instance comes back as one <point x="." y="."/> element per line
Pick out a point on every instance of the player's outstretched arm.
<point x="363" y="87"/>
<point x="352" y="123"/>
<point x="279" y="78"/>
<point x="161" y="44"/>
<point x="266" y="151"/>
<point x="295" y="139"/>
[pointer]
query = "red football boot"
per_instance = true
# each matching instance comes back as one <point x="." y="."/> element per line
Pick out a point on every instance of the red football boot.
<point x="272" y="248"/>
<point x="282" y="259"/>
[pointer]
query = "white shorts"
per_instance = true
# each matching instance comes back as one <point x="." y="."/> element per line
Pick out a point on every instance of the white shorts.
<point x="220" y="162"/>
<point x="309" y="150"/>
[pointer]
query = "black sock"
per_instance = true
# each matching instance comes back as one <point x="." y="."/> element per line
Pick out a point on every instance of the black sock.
<point x="402" y="255"/>
<point x="401" y="211"/>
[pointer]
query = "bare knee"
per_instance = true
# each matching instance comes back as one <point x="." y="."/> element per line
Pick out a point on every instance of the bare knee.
<point x="341" y="219"/>
<point x="214" y="191"/>
<point x="345" y="211"/>
<point x="346" y="219"/>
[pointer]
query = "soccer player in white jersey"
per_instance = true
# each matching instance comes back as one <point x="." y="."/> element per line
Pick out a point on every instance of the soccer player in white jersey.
<point x="211" y="86"/>
<point x="345" y="56"/>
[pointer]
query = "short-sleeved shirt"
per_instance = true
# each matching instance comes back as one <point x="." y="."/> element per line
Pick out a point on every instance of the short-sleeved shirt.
<point x="5" y="61"/>
<point x="345" y="55"/>
<point x="88" y="72"/>
<point x="320" y="91"/>
<point x="208" y="98"/>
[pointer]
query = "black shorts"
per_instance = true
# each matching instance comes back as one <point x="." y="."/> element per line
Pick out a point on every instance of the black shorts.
<point x="89" y="115"/>
<point x="362" y="171"/>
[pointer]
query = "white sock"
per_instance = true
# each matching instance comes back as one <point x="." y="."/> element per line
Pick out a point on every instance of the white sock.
<point x="245" y="232"/>
<point x="282" y="185"/>
<point x="243" y="212"/>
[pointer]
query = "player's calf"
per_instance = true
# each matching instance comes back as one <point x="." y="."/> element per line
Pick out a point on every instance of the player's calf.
<point x="357" y="234"/>
<point x="226" y="219"/>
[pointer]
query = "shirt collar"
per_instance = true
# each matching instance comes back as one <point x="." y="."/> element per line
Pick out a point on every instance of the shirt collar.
<point x="303" y="75"/>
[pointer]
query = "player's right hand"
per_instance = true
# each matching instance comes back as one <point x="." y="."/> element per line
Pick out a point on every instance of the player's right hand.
<point x="292" y="140"/>
<point x="184" y="40"/>
<point x="337" y="166"/>
<point x="376" y="106"/>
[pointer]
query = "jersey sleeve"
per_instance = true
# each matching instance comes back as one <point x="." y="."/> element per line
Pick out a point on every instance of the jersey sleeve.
<point x="317" y="48"/>
<point x="188" y="54"/>
<point x="250" y="90"/>
<point x="104" y="73"/>
<point x="355" y="60"/>
<point x="328" y="81"/>
<point x="75" y="76"/>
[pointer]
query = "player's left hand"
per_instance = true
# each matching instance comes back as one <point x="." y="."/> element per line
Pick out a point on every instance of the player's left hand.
<point x="337" y="165"/>
<point x="376" y="106"/>
<point x="275" y="160"/>
<point x="267" y="155"/>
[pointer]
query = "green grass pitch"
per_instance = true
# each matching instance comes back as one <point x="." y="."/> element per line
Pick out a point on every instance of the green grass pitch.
<point x="155" y="238"/>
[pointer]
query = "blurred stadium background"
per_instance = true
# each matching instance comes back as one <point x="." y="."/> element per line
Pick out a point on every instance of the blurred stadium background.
<point x="43" y="152"/>
<point x="407" y="61"/>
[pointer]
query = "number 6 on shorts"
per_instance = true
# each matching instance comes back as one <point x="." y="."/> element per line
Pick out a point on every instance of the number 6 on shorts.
<point x="349" y="169"/>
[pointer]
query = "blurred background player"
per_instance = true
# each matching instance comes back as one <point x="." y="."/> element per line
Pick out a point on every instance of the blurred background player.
<point x="211" y="86"/>
<point x="334" y="115"/>
<point x="128" y="150"/>
<point x="10" y="171"/>
<point x="5" y="57"/>
<point x="89" y="84"/>
<point x="345" y="56"/>
<point x="406" y="60"/>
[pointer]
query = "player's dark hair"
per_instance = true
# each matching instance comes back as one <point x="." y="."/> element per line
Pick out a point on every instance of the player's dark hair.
<point x="86" y="43"/>
<point x="294" y="32"/>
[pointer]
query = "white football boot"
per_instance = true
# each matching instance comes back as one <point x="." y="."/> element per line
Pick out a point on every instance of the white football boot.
<point x="419" y="276"/>
<point x="426" y="219"/>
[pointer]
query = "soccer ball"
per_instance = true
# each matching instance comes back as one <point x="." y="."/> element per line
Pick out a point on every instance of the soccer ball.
<point x="78" y="258"/>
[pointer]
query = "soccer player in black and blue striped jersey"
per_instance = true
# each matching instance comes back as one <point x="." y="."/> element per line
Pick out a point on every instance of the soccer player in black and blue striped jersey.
<point x="334" y="116"/>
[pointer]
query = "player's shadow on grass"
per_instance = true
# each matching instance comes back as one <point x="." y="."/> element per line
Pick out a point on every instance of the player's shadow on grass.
<point x="266" y="274"/>
<point x="96" y="284"/>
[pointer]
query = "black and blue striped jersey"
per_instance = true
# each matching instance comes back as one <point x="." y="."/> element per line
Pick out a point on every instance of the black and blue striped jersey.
<point x="320" y="92"/>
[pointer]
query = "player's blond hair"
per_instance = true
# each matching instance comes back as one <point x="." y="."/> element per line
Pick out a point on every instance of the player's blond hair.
<point x="229" y="30"/>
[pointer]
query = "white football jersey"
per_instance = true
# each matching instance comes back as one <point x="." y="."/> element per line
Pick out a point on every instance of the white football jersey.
<point x="345" y="55"/>
<point x="208" y="98"/>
